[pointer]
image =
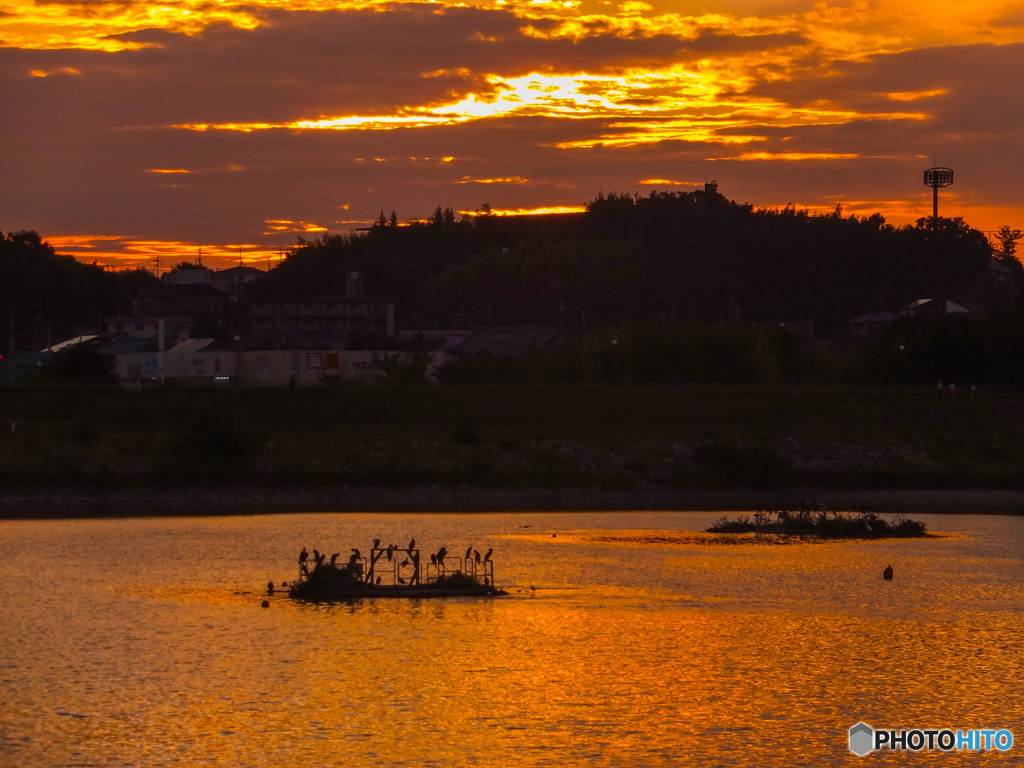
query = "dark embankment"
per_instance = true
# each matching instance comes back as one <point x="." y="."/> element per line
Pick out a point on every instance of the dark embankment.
<point x="504" y="447"/>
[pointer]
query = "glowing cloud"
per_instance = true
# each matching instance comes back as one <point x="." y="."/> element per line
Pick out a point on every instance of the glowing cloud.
<point x="506" y="180"/>
<point x="275" y="226"/>
<point x="669" y="183"/>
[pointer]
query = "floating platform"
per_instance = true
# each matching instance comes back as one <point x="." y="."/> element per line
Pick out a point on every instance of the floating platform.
<point x="391" y="572"/>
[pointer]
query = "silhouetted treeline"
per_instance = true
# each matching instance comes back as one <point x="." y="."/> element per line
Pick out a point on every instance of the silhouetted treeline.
<point x="667" y="257"/>
<point x="47" y="296"/>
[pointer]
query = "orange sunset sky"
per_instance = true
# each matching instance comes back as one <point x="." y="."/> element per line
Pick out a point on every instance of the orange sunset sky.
<point x="132" y="130"/>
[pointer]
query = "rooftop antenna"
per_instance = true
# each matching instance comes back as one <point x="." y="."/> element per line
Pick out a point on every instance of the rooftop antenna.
<point x="199" y="260"/>
<point x="156" y="271"/>
<point x="937" y="178"/>
<point x="239" y="255"/>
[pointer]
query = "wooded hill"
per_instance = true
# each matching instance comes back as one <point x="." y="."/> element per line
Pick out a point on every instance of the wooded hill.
<point x="668" y="256"/>
<point x="43" y="294"/>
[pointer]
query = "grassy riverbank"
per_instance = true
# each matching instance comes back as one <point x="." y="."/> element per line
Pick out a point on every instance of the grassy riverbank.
<point x="610" y="438"/>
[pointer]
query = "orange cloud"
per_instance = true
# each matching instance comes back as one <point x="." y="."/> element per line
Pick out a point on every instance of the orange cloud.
<point x="506" y="180"/>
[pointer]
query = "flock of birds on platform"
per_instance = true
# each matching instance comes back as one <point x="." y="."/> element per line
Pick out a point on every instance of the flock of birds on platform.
<point x="412" y="558"/>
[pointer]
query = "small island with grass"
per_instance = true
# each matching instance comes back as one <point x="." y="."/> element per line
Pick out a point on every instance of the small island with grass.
<point x="823" y="524"/>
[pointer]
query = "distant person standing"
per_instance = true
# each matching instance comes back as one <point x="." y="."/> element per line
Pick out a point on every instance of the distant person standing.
<point x="939" y="388"/>
<point x="952" y="391"/>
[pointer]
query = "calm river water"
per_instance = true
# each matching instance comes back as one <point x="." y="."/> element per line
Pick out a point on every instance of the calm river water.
<point x="142" y="643"/>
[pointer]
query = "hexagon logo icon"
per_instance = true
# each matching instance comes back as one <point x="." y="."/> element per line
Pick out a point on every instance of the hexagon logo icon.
<point x="862" y="737"/>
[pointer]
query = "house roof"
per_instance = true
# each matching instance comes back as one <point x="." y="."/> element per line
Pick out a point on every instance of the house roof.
<point x="189" y="346"/>
<point x="241" y="270"/>
<point x="69" y="343"/>
<point x="128" y="346"/>
<point x="509" y="341"/>
<point x="950" y="308"/>
<point x="875" y="317"/>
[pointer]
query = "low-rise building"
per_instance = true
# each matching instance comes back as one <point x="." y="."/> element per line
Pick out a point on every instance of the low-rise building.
<point x="323" y="322"/>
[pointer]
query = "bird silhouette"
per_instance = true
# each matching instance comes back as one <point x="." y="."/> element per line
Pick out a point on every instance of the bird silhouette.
<point x="378" y="580"/>
<point x="391" y="551"/>
<point x="320" y="558"/>
<point x="412" y="545"/>
<point x="433" y="559"/>
<point x="488" y="555"/>
<point x="441" y="553"/>
<point x="335" y="556"/>
<point x="355" y="554"/>
<point x="303" y="556"/>
<point x="403" y="563"/>
<point x="887" y="573"/>
<point x="469" y="552"/>
<point x="476" y="555"/>
<point x="401" y="580"/>
<point x="316" y="555"/>
<point x="376" y="543"/>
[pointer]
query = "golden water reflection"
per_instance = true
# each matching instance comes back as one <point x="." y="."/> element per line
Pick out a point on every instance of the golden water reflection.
<point x="639" y="646"/>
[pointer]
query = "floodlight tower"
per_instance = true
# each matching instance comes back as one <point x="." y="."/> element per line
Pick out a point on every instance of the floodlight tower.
<point x="936" y="178"/>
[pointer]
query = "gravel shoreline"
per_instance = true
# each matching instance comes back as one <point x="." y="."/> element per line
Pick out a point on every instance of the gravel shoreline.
<point x="57" y="503"/>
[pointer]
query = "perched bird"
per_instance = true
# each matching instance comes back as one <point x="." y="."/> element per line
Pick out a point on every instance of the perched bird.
<point x="476" y="555"/>
<point x="403" y="563"/>
<point x="316" y="555"/>
<point x="412" y="545"/>
<point x="469" y="552"/>
<point x="320" y="559"/>
<point x="488" y="555"/>
<point x="377" y="581"/>
<point x="401" y="580"/>
<point x="355" y="554"/>
<point x="334" y="557"/>
<point x="391" y="551"/>
<point x="303" y="556"/>
<point x="441" y="554"/>
<point x="887" y="573"/>
<point x="433" y="559"/>
<point x="376" y="543"/>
